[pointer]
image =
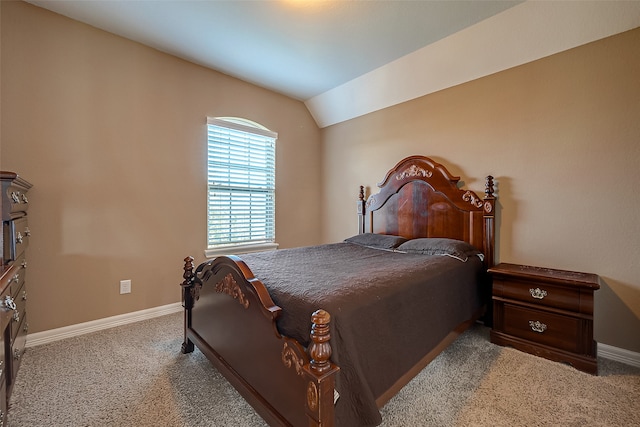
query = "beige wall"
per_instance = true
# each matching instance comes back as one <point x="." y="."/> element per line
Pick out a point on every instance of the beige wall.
<point x="562" y="137"/>
<point x="112" y="136"/>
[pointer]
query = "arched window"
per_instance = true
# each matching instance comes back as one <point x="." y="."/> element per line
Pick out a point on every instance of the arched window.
<point x="241" y="186"/>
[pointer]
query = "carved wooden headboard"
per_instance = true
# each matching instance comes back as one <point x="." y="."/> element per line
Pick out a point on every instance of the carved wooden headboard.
<point x="420" y="198"/>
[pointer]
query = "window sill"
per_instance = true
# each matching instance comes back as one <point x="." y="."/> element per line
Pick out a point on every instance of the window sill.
<point x="239" y="249"/>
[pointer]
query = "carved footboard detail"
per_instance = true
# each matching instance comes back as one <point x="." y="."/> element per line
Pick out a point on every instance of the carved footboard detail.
<point x="229" y="286"/>
<point x="230" y="316"/>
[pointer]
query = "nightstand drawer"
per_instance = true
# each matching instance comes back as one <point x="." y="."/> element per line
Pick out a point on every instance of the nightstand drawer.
<point x="554" y="330"/>
<point x="538" y="293"/>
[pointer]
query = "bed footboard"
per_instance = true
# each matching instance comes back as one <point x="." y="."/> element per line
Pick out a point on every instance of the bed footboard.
<point x="230" y="317"/>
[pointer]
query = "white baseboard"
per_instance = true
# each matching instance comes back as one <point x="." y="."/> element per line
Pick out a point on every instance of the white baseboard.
<point x="606" y="351"/>
<point x="52" y="335"/>
<point x="619" y="354"/>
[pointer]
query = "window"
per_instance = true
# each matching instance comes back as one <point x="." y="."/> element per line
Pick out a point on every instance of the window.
<point x="241" y="186"/>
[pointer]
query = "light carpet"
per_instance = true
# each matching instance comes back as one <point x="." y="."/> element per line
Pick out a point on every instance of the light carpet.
<point x="135" y="375"/>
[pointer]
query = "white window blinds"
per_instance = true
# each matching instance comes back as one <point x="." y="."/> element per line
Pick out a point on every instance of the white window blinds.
<point x="241" y="182"/>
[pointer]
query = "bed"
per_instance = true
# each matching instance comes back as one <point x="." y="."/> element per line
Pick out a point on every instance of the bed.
<point x="326" y="335"/>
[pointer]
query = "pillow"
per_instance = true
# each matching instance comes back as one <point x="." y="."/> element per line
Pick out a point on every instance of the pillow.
<point x="373" y="240"/>
<point x="439" y="246"/>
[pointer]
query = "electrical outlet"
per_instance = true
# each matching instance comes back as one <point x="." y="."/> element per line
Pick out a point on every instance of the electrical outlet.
<point x="125" y="286"/>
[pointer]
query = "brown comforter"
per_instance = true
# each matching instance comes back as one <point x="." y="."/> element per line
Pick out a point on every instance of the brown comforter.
<point x="388" y="310"/>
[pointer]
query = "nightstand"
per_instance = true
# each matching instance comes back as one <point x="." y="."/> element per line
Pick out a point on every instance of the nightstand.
<point x="545" y="312"/>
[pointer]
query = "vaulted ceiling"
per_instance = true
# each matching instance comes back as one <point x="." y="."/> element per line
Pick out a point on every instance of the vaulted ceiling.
<point x="374" y="53"/>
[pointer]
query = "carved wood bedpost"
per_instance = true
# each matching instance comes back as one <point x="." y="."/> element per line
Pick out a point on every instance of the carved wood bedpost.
<point x="320" y="373"/>
<point x="187" y="301"/>
<point x="489" y="219"/>
<point x="361" y="210"/>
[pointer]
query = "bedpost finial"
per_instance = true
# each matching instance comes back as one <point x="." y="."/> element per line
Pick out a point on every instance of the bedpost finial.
<point x="488" y="188"/>
<point x="188" y="272"/>
<point x="320" y="317"/>
<point x="361" y="210"/>
<point x="320" y="349"/>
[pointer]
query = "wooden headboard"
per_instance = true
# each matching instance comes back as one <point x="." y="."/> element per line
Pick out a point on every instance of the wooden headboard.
<point x="420" y="198"/>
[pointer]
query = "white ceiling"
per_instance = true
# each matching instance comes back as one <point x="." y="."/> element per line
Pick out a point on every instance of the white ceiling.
<point x="298" y="48"/>
<point x="315" y="50"/>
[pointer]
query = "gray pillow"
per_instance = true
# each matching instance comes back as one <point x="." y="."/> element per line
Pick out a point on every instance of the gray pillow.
<point x="439" y="246"/>
<point x="373" y="240"/>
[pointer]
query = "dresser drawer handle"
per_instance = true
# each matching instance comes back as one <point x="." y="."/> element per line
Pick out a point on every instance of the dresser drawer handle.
<point x="8" y="303"/>
<point x="537" y="326"/>
<point x="27" y="232"/>
<point x="15" y="196"/>
<point x="19" y="237"/>
<point x="16" y="316"/>
<point x="17" y="354"/>
<point x="538" y="293"/>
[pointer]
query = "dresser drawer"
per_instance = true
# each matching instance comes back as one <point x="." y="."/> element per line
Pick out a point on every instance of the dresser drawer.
<point x="7" y="306"/>
<point x="555" y="330"/>
<point x="18" y="276"/>
<point x="538" y="293"/>
<point x="18" y="347"/>
<point x="14" y="200"/>
<point x="3" y="400"/>
<point x="3" y="365"/>
<point x="16" y="238"/>
<point x="18" y="315"/>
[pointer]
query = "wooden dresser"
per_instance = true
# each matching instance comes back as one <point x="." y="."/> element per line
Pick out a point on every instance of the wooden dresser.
<point x="13" y="291"/>
<point x="545" y="312"/>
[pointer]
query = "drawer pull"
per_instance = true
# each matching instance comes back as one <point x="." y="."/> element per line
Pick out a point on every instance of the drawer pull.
<point x="15" y="278"/>
<point x="8" y="303"/>
<point x="24" y="198"/>
<point x="27" y="232"/>
<point x="19" y="237"/>
<point x="15" y="196"/>
<point x="537" y="326"/>
<point x="17" y="354"/>
<point x="538" y="293"/>
<point x="16" y="316"/>
<point x="24" y="264"/>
